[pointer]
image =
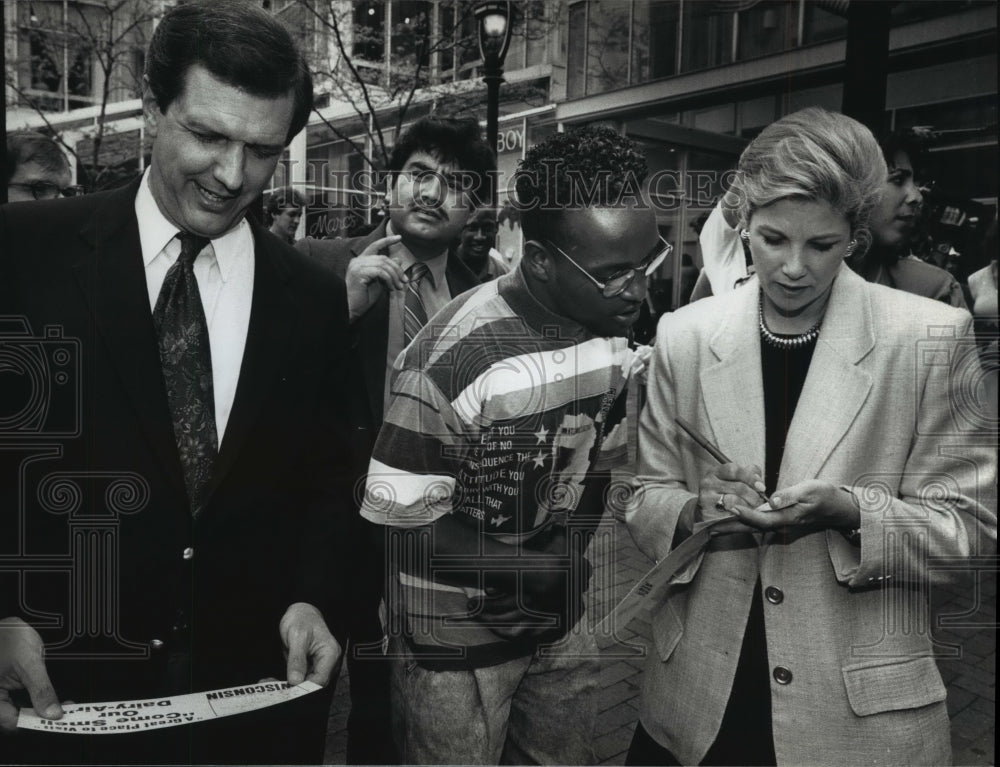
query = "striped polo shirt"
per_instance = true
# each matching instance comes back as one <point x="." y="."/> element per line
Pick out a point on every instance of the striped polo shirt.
<point x="499" y="411"/>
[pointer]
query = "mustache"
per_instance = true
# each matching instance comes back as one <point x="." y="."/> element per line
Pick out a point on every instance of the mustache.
<point x="432" y="207"/>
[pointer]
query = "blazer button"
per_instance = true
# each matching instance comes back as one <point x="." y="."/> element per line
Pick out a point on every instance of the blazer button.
<point x="188" y="553"/>
<point x="156" y="644"/>
<point x="782" y="675"/>
<point x="774" y="595"/>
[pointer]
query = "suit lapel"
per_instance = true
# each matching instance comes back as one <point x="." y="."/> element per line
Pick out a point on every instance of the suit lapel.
<point x="732" y="388"/>
<point x="373" y="337"/>
<point x="269" y="336"/>
<point x="460" y="277"/>
<point x="112" y="277"/>
<point x="836" y="386"/>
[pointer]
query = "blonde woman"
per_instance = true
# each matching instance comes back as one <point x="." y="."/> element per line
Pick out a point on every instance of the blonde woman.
<point x="796" y="639"/>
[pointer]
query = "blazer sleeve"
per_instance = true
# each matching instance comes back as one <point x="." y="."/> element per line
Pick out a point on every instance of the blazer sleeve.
<point x="329" y="534"/>
<point x="660" y="488"/>
<point x="945" y="505"/>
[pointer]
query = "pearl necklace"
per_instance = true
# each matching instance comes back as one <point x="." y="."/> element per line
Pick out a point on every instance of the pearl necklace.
<point x="785" y="342"/>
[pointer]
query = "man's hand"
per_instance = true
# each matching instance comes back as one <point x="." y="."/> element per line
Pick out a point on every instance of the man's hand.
<point x="312" y="652"/>
<point x="371" y="272"/>
<point x="22" y="667"/>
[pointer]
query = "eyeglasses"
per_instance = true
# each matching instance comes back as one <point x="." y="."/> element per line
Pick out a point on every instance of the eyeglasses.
<point x="46" y="190"/>
<point x="619" y="282"/>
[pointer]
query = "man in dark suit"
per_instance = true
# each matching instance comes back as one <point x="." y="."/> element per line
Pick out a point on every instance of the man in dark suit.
<point x="440" y="171"/>
<point x="182" y="503"/>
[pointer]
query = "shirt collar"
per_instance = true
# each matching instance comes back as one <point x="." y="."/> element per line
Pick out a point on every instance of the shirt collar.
<point x="156" y="232"/>
<point x="515" y="291"/>
<point x="437" y="265"/>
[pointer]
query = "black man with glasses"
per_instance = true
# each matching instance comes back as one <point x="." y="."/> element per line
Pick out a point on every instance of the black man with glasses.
<point x="36" y="169"/>
<point x="507" y="413"/>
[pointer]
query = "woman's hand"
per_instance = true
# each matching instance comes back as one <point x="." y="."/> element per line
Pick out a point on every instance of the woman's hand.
<point x="814" y="503"/>
<point x="729" y="487"/>
<point x="722" y="491"/>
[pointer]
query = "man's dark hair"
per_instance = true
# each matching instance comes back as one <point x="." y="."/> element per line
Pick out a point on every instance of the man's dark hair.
<point x="594" y="166"/>
<point x="457" y="142"/>
<point x="280" y="199"/>
<point x="238" y="43"/>
<point x="30" y="146"/>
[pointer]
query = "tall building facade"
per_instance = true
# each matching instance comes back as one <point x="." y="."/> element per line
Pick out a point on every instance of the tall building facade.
<point x="691" y="80"/>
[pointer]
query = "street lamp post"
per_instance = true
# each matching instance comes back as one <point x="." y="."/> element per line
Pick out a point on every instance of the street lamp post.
<point x="494" y="38"/>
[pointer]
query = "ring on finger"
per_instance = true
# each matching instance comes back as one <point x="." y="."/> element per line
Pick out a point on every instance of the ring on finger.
<point x="721" y="503"/>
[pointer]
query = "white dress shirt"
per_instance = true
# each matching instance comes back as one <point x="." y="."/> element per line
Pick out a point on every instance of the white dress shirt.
<point x="225" y="281"/>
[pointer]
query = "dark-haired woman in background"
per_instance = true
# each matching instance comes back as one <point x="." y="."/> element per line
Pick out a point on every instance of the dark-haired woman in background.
<point x="888" y="260"/>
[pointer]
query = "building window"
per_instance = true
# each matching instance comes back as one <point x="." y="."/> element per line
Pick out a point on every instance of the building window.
<point x="708" y="35"/>
<point x="81" y="73"/>
<point x="654" y="39"/>
<point x="768" y="27"/>
<point x="446" y="23"/>
<point x="410" y="34"/>
<point x="608" y="26"/>
<point x="823" y="22"/>
<point x="369" y="32"/>
<point x="536" y="32"/>
<point x="576" y="55"/>
<point x="45" y="75"/>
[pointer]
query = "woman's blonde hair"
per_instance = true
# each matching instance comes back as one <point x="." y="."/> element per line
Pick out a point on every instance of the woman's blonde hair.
<point x="814" y="154"/>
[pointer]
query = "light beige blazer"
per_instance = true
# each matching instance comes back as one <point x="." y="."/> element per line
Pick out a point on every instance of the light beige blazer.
<point x="889" y="410"/>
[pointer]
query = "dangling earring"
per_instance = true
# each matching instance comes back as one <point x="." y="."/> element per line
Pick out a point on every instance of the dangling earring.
<point x="850" y="248"/>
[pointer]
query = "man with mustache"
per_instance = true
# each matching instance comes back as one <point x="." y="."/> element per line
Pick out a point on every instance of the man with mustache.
<point x="398" y="276"/>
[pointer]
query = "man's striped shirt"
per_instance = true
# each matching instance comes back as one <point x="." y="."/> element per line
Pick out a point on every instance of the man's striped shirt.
<point x="499" y="411"/>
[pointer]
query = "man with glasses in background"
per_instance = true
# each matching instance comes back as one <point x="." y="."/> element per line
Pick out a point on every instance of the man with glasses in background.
<point x="36" y="168"/>
<point x="507" y="413"/>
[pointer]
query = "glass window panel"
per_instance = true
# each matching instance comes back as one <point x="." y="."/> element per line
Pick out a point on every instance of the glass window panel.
<point x="45" y="74"/>
<point x="720" y="119"/>
<point x="576" y="55"/>
<point x="607" y="45"/>
<point x="755" y="115"/>
<point x="820" y="24"/>
<point x="537" y="31"/>
<point x="654" y="39"/>
<point x="410" y="32"/>
<point x="446" y="45"/>
<point x="768" y="27"/>
<point x="915" y="10"/>
<point x="708" y="36"/>
<point x="515" y="50"/>
<point x="962" y="115"/>
<point x="705" y="176"/>
<point x="369" y="18"/>
<point x="467" y="35"/>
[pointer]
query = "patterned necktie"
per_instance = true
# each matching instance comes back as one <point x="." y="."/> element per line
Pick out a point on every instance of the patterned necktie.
<point x="186" y="359"/>
<point x="414" y="313"/>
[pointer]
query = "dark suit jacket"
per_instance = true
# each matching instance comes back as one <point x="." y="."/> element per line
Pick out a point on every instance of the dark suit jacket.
<point x="372" y="329"/>
<point x="102" y="554"/>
